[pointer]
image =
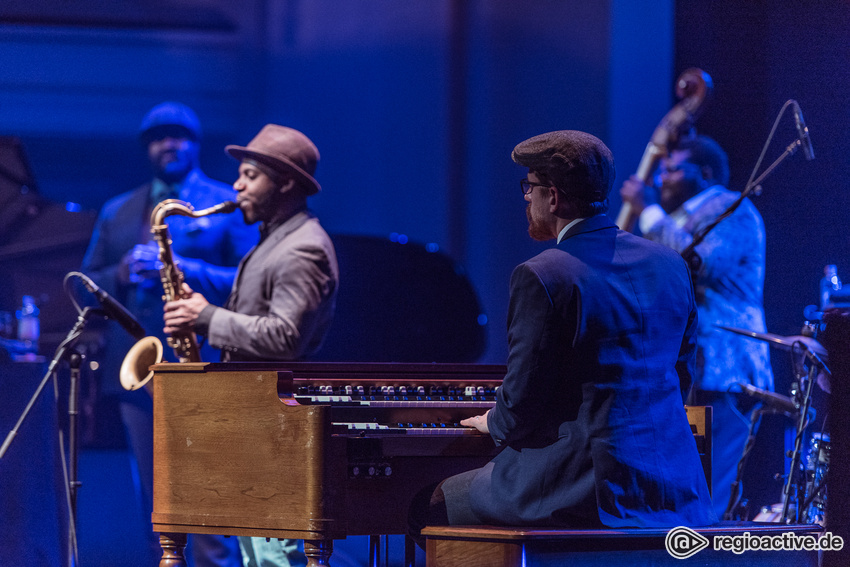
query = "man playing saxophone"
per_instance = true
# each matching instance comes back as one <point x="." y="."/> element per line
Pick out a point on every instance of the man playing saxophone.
<point x="282" y="300"/>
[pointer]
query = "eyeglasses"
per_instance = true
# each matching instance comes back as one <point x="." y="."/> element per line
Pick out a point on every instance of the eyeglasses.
<point x="527" y="186"/>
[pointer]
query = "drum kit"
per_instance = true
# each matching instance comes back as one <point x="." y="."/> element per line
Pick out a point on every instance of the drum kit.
<point x="805" y="490"/>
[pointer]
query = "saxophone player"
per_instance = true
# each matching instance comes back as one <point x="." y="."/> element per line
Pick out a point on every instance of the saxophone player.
<point x="282" y="299"/>
<point x="122" y="259"/>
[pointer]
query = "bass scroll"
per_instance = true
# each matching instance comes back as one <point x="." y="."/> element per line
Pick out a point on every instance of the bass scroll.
<point x="693" y="87"/>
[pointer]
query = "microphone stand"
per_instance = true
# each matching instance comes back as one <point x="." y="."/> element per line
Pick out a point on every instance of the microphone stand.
<point x="65" y="351"/>
<point x="689" y="253"/>
<point x="753" y="186"/>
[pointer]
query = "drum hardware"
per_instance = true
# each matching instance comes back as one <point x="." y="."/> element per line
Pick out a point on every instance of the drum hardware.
<point x="807" y="487"/>
<point x="778" y="341"/>
<point x="803" y="395"/>
<point x="817" y="471"/>
<point x="816" y="477"/>
<point x="808" y="346"/>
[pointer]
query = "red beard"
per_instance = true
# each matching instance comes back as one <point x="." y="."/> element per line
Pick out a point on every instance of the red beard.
<point x="536" y="230"/>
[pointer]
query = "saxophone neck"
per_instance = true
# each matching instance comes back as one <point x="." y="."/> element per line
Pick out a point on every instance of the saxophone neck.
<point x="176" y="207"/>
<point x="167" y="208"/>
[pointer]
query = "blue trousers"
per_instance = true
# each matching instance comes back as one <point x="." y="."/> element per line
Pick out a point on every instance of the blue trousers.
<point x="257" y="552"/>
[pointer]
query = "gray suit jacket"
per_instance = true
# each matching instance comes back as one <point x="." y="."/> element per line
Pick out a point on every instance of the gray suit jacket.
<point x="282" y="300"/>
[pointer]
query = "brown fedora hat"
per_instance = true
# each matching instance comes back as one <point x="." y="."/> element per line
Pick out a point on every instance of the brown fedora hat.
<point x="283" y="149"/>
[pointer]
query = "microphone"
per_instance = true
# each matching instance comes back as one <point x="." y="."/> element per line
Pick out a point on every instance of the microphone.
<point x="778" y="402"/>
<point x="803" y="133"/>
<point x="115" y="310"/>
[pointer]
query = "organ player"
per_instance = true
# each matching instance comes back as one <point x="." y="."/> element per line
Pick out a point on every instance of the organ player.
<point x="282" y="300"/>
<point x="602" y="344"/>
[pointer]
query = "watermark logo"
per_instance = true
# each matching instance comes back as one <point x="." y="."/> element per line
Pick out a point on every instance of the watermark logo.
<point x="787" y="541"/>
<point x="683" y="542"/>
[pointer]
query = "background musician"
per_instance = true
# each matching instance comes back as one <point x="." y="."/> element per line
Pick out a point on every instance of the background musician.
<point x="123" y="260"/>
<point x="601" y="332"/>
<point x="728" y="288"/>
<point x="283" y="296"/>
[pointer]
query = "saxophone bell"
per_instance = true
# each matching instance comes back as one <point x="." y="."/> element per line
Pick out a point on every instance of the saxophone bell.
<point x="135" y="373"/>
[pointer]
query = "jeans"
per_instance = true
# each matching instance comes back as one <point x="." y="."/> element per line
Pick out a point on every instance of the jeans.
<point x="257" y="552"/>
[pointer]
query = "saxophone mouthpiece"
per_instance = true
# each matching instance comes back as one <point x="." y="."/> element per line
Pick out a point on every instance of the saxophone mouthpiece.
<point x="227" y="207"/>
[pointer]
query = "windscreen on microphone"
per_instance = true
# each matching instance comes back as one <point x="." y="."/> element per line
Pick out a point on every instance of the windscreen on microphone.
<point x="803" y="132"/>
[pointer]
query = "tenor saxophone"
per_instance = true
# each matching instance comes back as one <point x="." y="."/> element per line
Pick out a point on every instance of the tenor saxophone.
<point x="135" y="371"/>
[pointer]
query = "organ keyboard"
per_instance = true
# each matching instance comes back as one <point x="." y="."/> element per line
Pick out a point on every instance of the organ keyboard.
<point x="312" y="451"/>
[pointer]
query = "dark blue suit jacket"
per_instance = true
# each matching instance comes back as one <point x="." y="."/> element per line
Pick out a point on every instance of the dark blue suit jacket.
<point x="601" y="331"/>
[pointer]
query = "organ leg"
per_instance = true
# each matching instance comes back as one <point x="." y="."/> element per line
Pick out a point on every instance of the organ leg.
<point x="173" y="548"/>
<point x="318" y="552"/>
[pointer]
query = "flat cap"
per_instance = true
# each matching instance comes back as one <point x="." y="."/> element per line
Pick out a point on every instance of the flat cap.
<point x="579" y="161"/>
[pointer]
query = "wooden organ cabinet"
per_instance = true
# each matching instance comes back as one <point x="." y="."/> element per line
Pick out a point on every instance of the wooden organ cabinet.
<point x="312" y="451"/>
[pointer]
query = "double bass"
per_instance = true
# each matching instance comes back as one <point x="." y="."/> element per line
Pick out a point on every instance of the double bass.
<point x="692" y="87"/>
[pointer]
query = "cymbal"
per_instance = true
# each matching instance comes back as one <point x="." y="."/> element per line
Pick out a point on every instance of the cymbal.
<point x="778" y="341"/>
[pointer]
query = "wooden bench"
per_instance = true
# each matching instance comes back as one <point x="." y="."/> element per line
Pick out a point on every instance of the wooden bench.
<point x="490" y="546"/>
<point x="699" y="418"/>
